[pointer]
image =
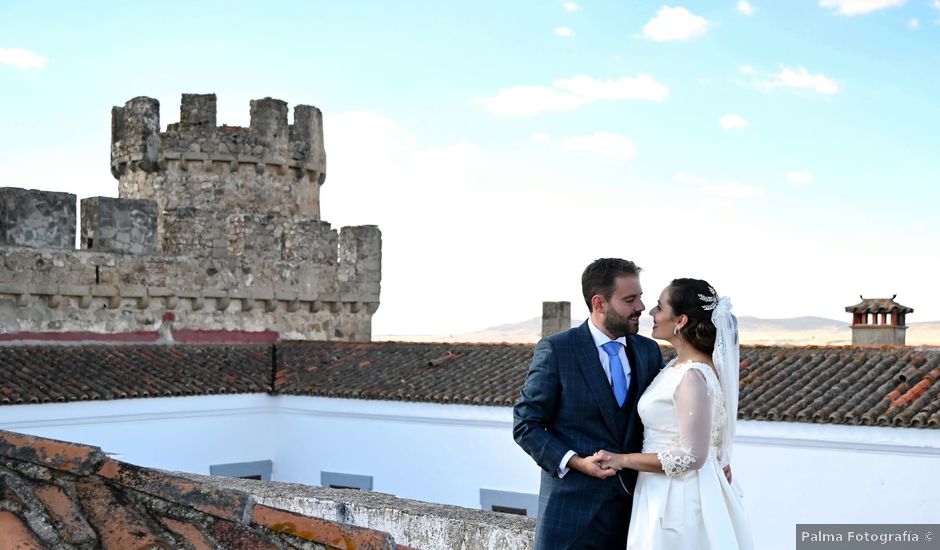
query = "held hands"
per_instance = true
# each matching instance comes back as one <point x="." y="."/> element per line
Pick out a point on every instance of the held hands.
<point x="591" y="466"/>
<point x="601" y="464"/>
<point x="610" y="461"/>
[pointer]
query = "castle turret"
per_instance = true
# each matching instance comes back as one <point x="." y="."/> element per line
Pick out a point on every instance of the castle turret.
<point x="217" y="228"/>
<point x="209" y="180"/>
<point x="878" y="322"/>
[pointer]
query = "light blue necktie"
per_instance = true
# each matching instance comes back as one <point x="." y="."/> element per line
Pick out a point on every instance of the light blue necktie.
<point x="617" y="377"/>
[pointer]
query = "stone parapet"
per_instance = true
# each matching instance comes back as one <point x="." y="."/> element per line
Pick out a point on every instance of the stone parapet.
<point x="114" y="293"/>
<point x="41" y="219"/>
<point x="413" y="523"/>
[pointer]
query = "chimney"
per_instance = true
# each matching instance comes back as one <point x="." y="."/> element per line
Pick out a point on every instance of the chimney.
<point x="556" y="317"/>
<point x="878" y="322"/>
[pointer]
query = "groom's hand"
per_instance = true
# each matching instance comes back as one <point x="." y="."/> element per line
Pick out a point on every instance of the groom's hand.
<point x="591" y="466"/>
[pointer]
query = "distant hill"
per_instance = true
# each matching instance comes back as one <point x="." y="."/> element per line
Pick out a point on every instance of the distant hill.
<point x="796" y="331"/>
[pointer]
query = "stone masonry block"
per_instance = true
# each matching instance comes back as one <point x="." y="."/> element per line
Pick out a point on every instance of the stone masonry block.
<point x="38" y="219"/>
<point x="119" y="225"/>
<point x="198" y="111"/>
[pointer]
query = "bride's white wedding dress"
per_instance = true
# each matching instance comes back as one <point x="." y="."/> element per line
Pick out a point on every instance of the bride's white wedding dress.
<point x="690" y="505"/>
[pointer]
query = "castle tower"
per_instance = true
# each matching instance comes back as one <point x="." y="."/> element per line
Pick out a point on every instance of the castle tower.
<point x="216" y="229"/>
<point x="222" y="191"/>
<point x="878" y="322"/>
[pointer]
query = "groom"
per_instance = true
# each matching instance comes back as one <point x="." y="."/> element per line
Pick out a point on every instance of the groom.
<point x="579" y="397"/>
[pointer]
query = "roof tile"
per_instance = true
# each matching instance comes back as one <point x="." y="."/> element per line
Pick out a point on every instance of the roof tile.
<point x="189" y="533"/>
<point x="15" y="533"/>
<point x="78" y="459"/>
<point x="119" y="524"/>
<point x="345" y="537"/>
<point x="65" y="514"/>
<point x="221" y="503"/>
<point x="126" y="507"/>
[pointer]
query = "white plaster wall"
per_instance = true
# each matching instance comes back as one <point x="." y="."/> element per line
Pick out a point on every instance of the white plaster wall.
<point x="185" y="434"/>
<point x="438" y="453"/>
<point x="791" y="473"/>
<point x="807" y="473"/>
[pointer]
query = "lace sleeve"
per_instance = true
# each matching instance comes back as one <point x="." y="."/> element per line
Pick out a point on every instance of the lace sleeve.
<point x="694" y="414"/>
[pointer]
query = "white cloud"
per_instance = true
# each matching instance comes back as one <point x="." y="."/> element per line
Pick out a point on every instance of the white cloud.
<point x="935" y="4"/>
<point x="732" y="190"/>
<point x="22" y="59"/>
<point x="641" y="87"/>
<point x="542" y="136"/>
<point x="747" y="69"/>
<point x="682" y="177"/>
<point x="730" y="122"/>
<point x="856" y="7"/>
<point x="529" y="100"/>
<point x="570" y="6"/>
<point x="569" y="94"/>
<point x="606" y="143"/>
<point x="913" y="23"/>
<point x="799" y="178"/>
<point x="675" y="24"/>
<point x="563" y="31"/>
<point x="745" y="7"/>
<point x="800" y="78"/>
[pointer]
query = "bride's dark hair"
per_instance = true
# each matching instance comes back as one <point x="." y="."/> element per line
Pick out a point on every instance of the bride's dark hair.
<point x="685" y="298"/>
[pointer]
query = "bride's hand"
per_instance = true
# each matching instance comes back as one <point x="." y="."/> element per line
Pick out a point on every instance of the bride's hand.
<point x="608" y="460"/>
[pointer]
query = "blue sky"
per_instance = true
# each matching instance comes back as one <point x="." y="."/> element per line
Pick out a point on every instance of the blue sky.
<point x="785" y="151"/>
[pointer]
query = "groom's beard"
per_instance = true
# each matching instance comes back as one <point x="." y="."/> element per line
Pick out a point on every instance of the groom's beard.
<point x="618" y="325"/>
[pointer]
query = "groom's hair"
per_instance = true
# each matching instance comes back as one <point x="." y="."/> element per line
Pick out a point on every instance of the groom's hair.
<point x="599" y="277"/>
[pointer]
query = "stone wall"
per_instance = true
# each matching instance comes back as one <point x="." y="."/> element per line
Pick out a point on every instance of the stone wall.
<point x="44" y="290"/>
<point x="219" y="225"/>
<point x="413" y="523"/>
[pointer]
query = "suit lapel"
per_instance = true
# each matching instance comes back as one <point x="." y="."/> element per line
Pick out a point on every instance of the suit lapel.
<point x="593" y="373"/>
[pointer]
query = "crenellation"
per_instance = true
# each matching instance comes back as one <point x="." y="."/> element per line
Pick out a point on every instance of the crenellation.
<point x="306" y="139"/>
<point x="136" y="133"/>
<point x="269" y="126"/>
<point x="218" y="225"/>
<point x="119" y="225"/>
<point x="40" y="219"/>
<point x="198" y="112"/>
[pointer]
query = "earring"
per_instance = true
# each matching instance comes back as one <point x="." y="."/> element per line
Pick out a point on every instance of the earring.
<point x="675" y="331"/>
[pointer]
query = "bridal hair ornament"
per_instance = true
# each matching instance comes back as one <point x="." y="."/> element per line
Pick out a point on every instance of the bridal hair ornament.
<point x="727" y="361"/>
<point x="710" y="301"/>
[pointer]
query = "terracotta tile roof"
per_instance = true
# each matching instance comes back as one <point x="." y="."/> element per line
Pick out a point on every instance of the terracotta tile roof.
<point x="829" y="385"/>
<point x="878" y="305"/>
<point x="52" y="373"/>
<point x="857" y="386"/>
<point x="62" y="495"/>
<point x="473" y="374"/>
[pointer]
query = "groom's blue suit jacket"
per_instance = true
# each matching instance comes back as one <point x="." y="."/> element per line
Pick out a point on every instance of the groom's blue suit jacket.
<point x="567" y="404"/>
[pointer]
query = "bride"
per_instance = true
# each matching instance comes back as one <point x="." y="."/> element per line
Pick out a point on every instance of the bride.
<point x="683" y="499"/>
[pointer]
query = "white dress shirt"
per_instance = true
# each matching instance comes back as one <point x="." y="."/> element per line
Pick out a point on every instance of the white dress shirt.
<point x="599" y="340"/>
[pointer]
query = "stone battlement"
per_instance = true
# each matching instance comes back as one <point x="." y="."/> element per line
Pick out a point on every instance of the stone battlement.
<point x="137" y="144"/>
<point x="218" y="225"/>
<point x="271" y="166"/>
